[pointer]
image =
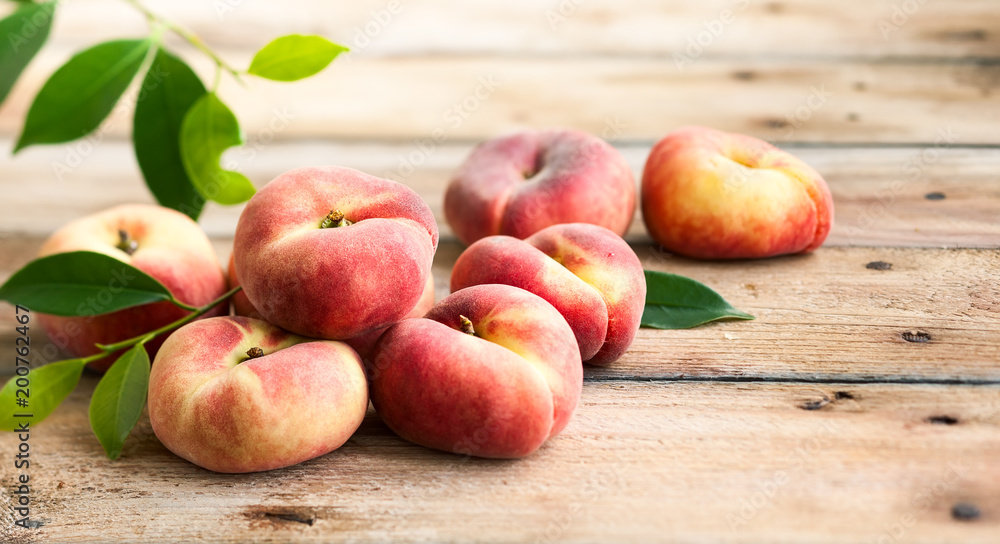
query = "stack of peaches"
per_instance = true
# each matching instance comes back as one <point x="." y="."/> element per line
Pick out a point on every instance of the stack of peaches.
<point x="337" y="305"/>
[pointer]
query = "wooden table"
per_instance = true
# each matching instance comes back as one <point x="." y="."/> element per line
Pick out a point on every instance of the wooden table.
<point x="862" y="405"/>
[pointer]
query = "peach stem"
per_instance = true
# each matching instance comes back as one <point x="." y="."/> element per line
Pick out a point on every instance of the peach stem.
<point x="126" y="243"/>
<point x="335" y="219"/>
<point x="467" y="325"/>
<point x="253" y="353"/>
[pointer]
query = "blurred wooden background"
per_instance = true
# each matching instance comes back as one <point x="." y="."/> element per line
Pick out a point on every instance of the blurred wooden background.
<point x="818" y="422"/>
<point x="816" y="76"/>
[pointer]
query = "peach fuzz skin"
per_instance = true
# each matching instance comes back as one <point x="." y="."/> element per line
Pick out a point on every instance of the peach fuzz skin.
<point x="362" y="344"/>
<point x="240" y="303"/>
<point x="714" y="195"/>
<point x="170" y="247"/>
<point x="587" y="272"/>
<point x="500" y="393"/>
<point x="519" y="184"/>
<point x="301" y="399"/>
<point x="333" y="282"/>
<point x="365" y="344"/>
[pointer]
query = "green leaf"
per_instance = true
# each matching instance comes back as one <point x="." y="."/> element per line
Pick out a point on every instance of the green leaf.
<point x="47" y="387"/>
<point x="82" y="92"/>
<point x="80" y="283"/>
<point x="209" y="129"/>
<point x="294" y="57"/>
<point x="119" y="399"/>
<point x="170" y="88"/>
<point x="23" y="33"/>
<point x="676" y="302"/>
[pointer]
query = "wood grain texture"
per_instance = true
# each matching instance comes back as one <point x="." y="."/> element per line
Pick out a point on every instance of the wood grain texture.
<point x="827" y="316"/>
<point x="640" y="462"/>
<point x="819" y="422"/>
<point x="817" y="28"/>
<point x="879" y="192"/>
<point x="820" y="317"/>
<point x="472" y="97"/>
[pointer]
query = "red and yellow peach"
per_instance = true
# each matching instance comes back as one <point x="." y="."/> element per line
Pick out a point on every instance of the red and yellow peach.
<point x="519" y="184"/>
<point x="587" y="272"/>
<point x="714" y="195"/>
<point x="234" y="394"/>
<point x="161" y="242"/>
<point x="334" y="253"/>
<point x="490" y="371"/>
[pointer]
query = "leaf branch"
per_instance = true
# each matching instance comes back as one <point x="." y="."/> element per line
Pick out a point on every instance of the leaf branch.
<point x="189" y="37"/>
<point x="196" y="313"/>
<point x="58" y="379"/>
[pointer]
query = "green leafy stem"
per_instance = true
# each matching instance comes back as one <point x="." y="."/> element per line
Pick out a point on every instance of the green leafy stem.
<point x="180" y="131"/>
<point x="66" y="284"/>
<point x="196" y="312"/>
<point x="180" y="127"/>
<point x="188" y="36"/>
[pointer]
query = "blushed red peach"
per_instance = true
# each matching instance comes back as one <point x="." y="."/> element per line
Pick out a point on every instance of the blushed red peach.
<point x="491" y="371"/>
<point x="161" y="242"/>
<point x="365" y="344"/>
<point x="334" y="253"/>
<point x="362" y="344"/>
<point x="217" y="401"/>
<point x="241" y="304"/>
<point x="587" y="272"/>
<point x="519" y="184"/>
<point x="714" y="195"/>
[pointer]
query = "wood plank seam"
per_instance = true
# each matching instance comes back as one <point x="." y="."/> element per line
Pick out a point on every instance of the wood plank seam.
<point x="791" y="380"/>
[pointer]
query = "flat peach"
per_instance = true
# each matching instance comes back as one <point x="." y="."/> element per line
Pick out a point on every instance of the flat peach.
<point x="334" y="253"/>
<point x="587" y="272"/>
<point x="216" y="403"/>
<point x="164" y="243"/>
<point x="714" y="195"/>
<point x="519" y="184"/>
<point x="490" y="371"/>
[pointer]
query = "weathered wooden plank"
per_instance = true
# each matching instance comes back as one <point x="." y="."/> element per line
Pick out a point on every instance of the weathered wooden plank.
<point x="819" y="28"/>
<point x="879" y="193"/>
<point x="470" y="97"/>
<point x="640" y="462"/>
<point x="829" y="316"/>
<point x="820" y="317"/>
